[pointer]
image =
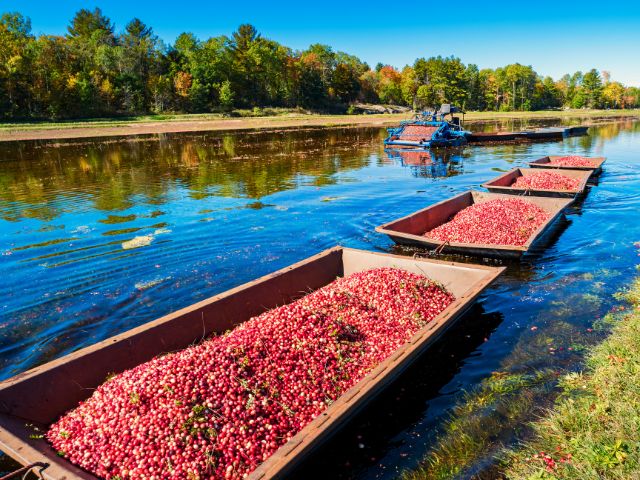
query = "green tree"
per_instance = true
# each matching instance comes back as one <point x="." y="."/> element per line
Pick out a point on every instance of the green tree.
<point x="592" y="88"/>
<point x="474" y="99"/>
<point x="226" y="95"/>
<point x="409" y="86"/>
<point x="344" y="83"/>
<point x="440" y="80"/>
<point x="244" y="71"/>
<point x="92" y="42"/>
<point x="15" y="64"/>
<point x="518" y="85"/>
<point x="87" y="24"/>
<point x="312" y="92"/>
<point x="136" y="62"/>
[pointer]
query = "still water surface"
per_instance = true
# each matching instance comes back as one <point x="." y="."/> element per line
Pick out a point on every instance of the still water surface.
<point x="97" y="237"/>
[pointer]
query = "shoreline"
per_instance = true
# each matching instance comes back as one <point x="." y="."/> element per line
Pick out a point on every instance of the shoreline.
<point x="208" y="123"/>
<point x="591" y="432"/>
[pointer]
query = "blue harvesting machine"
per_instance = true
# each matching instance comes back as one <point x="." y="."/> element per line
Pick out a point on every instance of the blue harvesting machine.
<point x="429" y="130"/>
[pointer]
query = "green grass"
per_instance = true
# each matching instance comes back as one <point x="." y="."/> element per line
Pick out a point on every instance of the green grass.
<point x="503" y="399"/>
<point x="267" y="114"/>
<point x="593" y="431"/>
<point x="502" y="403"/>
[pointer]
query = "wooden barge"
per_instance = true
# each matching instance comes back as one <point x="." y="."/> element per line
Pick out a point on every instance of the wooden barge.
<point x="503" y="183"/>
<point x="40" y="396"/>
<point x="538" y="134"/>
<point x="410" y="230"/>
<point x="547" y="162"/>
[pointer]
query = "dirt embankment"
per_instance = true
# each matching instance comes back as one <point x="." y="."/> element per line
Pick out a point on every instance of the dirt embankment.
<point x="177" y="126"/>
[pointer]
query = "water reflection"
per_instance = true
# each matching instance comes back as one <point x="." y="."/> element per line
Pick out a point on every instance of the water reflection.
<point x="429" y="163"/>
<point x="40" y="181"/>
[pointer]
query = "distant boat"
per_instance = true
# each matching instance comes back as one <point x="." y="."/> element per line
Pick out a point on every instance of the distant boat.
<point x="548" y="133"/>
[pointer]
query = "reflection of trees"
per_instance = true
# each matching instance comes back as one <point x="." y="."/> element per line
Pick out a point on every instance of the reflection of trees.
<point x="599" y="134"/>
<point x="33" y="176"/>
<point x="608" y="131"/>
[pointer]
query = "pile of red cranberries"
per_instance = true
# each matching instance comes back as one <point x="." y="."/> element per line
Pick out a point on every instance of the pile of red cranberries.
<point x="546" y="181"/>
<point x="220" y="408"/>
<point x="496" y="222"/>
<point x="573" y="161"/>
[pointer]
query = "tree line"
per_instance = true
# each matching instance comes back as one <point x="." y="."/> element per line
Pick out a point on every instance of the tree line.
<point x="95" y="71"/>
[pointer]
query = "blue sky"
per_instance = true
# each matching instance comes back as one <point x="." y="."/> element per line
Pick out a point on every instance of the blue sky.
<point x="554" y="37"/>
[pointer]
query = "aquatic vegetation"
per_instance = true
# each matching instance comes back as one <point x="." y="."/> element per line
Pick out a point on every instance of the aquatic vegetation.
<point x="476" y="424"/>
<point x="592" y="432"/>
<point x="222" y="407"/>
<point x="546" y="181"/>
<point x="496" y="222"/>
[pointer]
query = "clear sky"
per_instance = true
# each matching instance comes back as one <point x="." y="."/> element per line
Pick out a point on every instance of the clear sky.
<point x="555" y="37"/>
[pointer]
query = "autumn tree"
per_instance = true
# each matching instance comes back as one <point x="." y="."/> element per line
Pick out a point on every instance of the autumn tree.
<point x="613" y="95"/>
<point x="94" y="70"/>
<point x="389" y="86"/>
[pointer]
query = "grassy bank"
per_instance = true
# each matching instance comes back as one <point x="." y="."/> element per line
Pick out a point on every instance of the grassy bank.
<point x="265" y="119"/>
<point x="246" y="115"/>
<point x="593" y="431"/>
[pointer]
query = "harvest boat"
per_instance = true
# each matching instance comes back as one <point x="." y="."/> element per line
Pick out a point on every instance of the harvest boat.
<point x="549" y="133"/>
<point x="548" y="162"/>
<point x="498" y="137"/>
<point x="410" y="230"/>
<point x="504" y="183"/>
<point x="577" y="131"/>
<point x="38" y="397"/>
<point x="429" y="130"/>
